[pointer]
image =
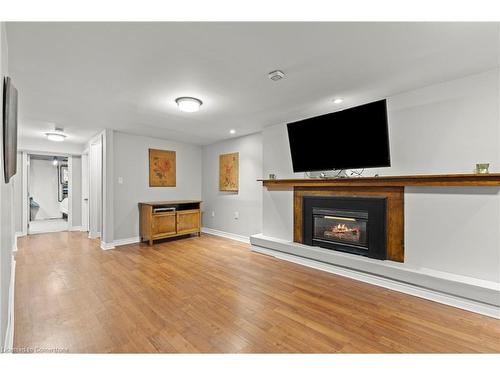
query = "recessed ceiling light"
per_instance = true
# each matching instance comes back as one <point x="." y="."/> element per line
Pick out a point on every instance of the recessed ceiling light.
<point x="276" y="75"/>
<point x="338" y="101"/>
<point x="188" y="104"/>
<point x="57" y="135"/>
<point x="232" y="131"/>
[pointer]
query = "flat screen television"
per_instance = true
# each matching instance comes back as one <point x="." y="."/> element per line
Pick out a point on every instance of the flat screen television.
<point x="353" y="138"/>
<point x="9" y="129"/>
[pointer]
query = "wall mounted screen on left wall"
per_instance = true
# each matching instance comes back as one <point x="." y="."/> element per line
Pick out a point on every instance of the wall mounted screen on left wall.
<point x="9" y="129"/>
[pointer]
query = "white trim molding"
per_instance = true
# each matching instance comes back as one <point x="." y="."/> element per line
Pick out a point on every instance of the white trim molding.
<point x="76" y="229"/>
<point x="126" y="241"/>
<point x="25" y="208"/>
<point x="474" y="295"/>
<point x="8" y="344"/>
<point x="16" y="236"/>
<point x="232" y="236"/>
<point x="107" y="246"/>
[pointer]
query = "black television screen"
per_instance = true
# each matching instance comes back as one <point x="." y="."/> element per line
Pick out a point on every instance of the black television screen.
<point x="9" y="129"/>
<point x="357" y="137"/>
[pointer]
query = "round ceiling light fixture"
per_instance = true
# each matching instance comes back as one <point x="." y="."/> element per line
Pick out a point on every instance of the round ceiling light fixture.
<point x="57" y="135"/>
<point x="232" y="131"/>
<point x="337" y="100"/>
<point x="188" y="104"/>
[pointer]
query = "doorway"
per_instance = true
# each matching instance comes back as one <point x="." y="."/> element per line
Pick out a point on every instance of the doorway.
<point x="49" y="193"/>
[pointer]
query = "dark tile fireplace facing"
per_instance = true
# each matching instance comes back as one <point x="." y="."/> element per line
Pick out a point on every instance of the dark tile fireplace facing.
<point x="351" y="224"/>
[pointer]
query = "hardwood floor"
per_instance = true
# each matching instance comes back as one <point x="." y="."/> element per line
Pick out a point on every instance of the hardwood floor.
<point x="211" y="294"/>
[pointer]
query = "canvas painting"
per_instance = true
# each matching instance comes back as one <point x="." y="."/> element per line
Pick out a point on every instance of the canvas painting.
<point x="162" y="168"/>
<point x="229" y="172"/>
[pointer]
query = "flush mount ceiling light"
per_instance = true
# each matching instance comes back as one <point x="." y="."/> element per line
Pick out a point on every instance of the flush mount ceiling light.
<point x="276" y="75"/>
<point x="337" y="100"/>
<point x="232" y="131"/>
<point x="57" y="135"/>
<point x="188" y="104"/>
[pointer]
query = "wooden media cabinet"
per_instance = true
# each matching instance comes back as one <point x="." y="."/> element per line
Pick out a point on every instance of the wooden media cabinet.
<point x="166" y="219"/>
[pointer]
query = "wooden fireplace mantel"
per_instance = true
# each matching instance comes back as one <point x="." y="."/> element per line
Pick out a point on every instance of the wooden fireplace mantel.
<point x="390" y="187"/>
<point x="466" y="179"/>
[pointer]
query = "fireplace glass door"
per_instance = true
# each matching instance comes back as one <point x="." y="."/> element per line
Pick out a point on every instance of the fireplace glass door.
<point x="340" y="226"/>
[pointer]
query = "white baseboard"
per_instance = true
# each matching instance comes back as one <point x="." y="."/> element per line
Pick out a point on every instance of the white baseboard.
<point x="9" y="333"/>
<point x="47" y="231"/>
<point x="76" y="229"/>
<point x="20" y="234"/>
<point x="231" y="236"/>
<point x="389" y="283"/>
<point x="107" y="246"/>
<point x="126" y="241"/>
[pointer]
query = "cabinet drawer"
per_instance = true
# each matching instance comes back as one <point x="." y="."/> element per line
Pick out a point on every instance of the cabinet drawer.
<point x="188" y="221"/>
<point x="164" y="224"/>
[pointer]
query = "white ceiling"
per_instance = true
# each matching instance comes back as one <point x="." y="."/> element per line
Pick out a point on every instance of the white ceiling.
<point x="125" y="76"/>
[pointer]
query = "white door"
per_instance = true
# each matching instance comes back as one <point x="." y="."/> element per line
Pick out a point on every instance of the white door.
<point x="95" y="191"/>
<point x="85" y="192"/>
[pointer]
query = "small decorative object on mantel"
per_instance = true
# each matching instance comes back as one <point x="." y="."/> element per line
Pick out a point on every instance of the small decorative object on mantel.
<point x="229" y="172"/>
<point x="272" y="176"/>
<point x="162" y="171"/>
<point x="483" y="168"/>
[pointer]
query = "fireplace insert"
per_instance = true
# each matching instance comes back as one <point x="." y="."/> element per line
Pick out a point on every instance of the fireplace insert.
<point x="351" y="224"/>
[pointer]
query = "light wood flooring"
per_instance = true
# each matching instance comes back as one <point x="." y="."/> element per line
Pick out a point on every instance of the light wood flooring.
<point x="211" y="294"/>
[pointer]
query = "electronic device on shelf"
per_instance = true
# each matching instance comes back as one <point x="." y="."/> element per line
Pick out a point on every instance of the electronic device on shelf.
<point x="163" y="209"/>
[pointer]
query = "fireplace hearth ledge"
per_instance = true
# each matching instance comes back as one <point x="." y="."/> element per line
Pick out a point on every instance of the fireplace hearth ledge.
<point x="468" y="293"/>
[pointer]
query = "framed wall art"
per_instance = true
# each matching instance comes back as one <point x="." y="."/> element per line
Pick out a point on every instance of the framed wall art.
<point x="162" y="171"/>
<point x="229" y="172"/>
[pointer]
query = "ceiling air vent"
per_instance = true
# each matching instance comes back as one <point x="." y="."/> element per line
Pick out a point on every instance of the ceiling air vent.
<point x="276" y="75"/>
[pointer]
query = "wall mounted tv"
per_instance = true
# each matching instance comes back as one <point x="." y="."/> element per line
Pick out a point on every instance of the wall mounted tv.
<point x="353" y="138"/>
<point x="9" y="129"/>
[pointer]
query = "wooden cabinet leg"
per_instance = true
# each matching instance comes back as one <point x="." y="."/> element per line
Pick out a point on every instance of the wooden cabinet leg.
<point x="150" y="242"/>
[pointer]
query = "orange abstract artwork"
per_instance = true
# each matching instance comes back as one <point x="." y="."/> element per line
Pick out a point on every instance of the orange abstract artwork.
<point x="229" y="172"/>
<point x="161" y="168"/>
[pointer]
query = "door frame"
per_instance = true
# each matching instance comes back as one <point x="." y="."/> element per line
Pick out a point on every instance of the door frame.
<point x="25" y="185"/>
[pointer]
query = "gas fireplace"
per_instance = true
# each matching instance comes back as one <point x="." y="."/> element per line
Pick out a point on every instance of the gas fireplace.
<point x="351" y="224"/>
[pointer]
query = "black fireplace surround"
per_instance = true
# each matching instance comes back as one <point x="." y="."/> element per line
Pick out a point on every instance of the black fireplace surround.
<point x="350" y="224"/>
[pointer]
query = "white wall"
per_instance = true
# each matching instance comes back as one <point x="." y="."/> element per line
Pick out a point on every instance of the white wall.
<point x="7" y="238"/>
<point x="247" y="201"/>
<point x="131" y="164"/>
<point x="43" y="186"/>
<point x="41" y="144"/>
<point x="444" y="128"/>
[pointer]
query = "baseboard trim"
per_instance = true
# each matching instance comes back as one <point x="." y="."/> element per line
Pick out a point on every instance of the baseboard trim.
<point x="76" y="229"/>
<point x="126" y="241"/>
<point x="8" y="344"/>
<point x="232" y="236"/>
<point x="107" y="246"/>
<point x="47" y="231"/>
<point x="389" y="283"/>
